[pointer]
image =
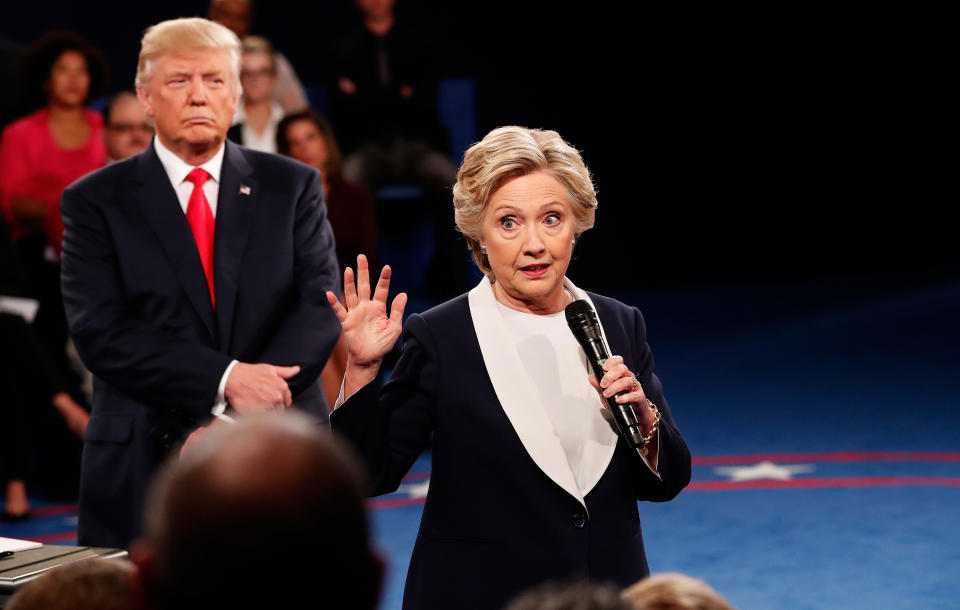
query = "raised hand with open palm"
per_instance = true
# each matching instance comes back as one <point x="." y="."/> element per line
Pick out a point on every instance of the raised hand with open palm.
<point x="368" y="332"/>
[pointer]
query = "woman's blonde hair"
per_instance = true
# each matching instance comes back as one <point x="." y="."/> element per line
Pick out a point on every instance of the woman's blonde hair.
<point x="508" y="152"/>
<point x="185" y="35"/>
<point x="259" y="44"/>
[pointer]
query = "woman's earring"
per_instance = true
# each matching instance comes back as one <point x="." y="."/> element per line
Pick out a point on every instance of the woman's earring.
<point x="573" y="242"/>
<point x="483" y="249"/>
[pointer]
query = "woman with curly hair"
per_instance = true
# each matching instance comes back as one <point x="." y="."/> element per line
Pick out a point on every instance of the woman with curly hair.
<point x="43" y="152"/>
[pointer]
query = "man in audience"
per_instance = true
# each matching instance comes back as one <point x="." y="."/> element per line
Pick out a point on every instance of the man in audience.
<point x="126" y="127"/>
<point x="237" y="15"/>
<point x="88" y="584"/>
<point x="384" y="104"/>
<point x="267" y="513"/>
<point x="194" y="277"/>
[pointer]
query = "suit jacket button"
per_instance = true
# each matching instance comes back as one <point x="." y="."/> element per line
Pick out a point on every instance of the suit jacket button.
<point x="579" y="520"/>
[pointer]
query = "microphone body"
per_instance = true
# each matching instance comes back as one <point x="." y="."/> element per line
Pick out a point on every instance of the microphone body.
<point x="586" y="328"/>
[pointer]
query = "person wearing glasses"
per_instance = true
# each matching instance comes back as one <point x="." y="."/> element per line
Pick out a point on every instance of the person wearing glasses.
<point x="126" y="127"/>
<point x="255" y="123"/>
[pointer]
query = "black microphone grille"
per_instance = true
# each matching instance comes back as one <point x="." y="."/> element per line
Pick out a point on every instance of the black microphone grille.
<point x="580" y="314"/>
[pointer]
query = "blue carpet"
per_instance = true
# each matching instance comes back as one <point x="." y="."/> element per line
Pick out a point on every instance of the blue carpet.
<point x="848" y="386"/>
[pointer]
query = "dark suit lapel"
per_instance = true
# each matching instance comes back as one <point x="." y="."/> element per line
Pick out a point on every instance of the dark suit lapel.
<point x="158" y="202"/>
<point x="235" y="206"/>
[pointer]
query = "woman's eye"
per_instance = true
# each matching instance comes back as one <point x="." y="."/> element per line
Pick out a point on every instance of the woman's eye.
<point x="508" y="222"/>
<point x="552" y="219"/>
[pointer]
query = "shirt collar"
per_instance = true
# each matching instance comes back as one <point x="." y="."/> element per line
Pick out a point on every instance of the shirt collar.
<point x="177" y="169"/>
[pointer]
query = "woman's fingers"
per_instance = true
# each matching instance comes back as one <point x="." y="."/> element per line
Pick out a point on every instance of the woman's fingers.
<point x="383" y="286"/>
<point x="396" y="310"/>
<point x="363" y="278"/>
<point x="338" y="309"/>
<point x="349" y="289"/>
<point x="611" y="362"/>
<point x="624" y="384"/>
<point x="615" y="369"/>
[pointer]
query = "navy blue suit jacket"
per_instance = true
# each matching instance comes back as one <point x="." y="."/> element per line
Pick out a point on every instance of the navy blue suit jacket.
<point x="494" y="524"/>
<point x="140" y="314"/>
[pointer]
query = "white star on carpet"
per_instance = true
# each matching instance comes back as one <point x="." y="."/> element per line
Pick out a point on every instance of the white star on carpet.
<point x="415" y="490"/>
<point x="763" y="470"/>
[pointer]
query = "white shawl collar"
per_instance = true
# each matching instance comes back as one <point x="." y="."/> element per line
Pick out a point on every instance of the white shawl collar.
<point x="522" y="403"/>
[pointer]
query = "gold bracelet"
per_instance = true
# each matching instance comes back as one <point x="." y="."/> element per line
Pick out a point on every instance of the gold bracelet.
<point x="653" y="429"/>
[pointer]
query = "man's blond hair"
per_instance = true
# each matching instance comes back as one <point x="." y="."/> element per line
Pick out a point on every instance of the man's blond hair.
<point x="184" y="36"/>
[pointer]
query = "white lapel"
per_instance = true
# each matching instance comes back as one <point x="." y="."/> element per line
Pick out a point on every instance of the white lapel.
<point x="523" y="405"/>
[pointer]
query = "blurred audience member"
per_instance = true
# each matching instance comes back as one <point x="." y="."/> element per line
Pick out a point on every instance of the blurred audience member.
<point x="88" y="584"/>
<point x="40" y="155"/>
<point x="672" y="591"/>
<point x="570" y="596"/>
<point x="29" y="377"/>
<point x="126" y="127"/>
<point x="45" y="151"/>
<point x="10" y="100"/>
<point x="385" y="99"/>
<point x="255" y="123"/>
<point x="237" y="15"/>
<point x="384" y="103"/>
<point x="273" y="498"/>
<point x="306" y="136"/>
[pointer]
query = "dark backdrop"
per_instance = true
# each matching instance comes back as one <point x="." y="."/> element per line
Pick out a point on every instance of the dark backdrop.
<point x="725" y="147"/>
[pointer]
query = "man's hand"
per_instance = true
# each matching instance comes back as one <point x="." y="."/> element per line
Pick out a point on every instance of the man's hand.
<point x="259" y="387"/>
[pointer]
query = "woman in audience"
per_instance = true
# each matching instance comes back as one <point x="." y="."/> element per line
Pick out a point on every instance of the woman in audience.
<point x="43" y="152"/>
<point x="255" y="123"/>
<point x="307" y="137"/>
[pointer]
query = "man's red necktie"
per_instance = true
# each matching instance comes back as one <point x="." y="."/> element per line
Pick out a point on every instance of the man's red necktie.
<point x="201" y="222"/>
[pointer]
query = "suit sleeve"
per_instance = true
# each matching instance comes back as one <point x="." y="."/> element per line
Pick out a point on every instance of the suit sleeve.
<point x="307" y="333"/>
<point x="673" y="463"/>
<point x="390" y="427"/>
<point x="127" y="352"/>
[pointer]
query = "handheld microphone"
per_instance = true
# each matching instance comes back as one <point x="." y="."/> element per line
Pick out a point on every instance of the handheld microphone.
<point x="583" y="323"/>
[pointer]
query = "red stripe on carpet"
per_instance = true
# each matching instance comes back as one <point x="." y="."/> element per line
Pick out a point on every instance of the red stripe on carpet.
<point x="58" y="537"/>
<point x="823" y="482"/>
<point x="842" y="456"/>
<point x="59" y="509"/>
<point x="394" y="503"/>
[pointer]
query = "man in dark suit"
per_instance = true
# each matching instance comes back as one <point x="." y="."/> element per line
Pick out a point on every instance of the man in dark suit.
<point x="193" y="278"/>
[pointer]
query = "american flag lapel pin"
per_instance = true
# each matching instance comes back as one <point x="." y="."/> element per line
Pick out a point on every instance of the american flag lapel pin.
<point x="244" y="189"/>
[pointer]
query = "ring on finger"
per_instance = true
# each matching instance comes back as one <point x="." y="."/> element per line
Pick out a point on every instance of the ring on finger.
<point x="636" y="383"/>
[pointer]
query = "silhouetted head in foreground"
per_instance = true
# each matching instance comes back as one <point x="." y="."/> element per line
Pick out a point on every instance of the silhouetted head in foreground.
<point x="260" y="514"/>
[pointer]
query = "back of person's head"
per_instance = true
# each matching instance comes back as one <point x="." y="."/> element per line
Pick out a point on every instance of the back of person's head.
<point x="579" y="595"/>
<point x="88" y="584"/>
<point x="672" y="591"/>
<point x="257" y="515"/>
